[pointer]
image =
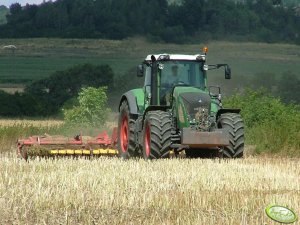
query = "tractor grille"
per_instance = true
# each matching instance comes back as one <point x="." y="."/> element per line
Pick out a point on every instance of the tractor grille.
<point x="196" y="102"/>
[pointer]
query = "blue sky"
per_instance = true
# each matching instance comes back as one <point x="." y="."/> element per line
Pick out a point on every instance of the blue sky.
<point x="22" y="2"/>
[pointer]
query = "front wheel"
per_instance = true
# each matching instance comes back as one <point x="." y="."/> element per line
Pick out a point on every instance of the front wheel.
<point x="126" y="142"/>
<point x="157" y="135"/>
<point x="233" y="125"/>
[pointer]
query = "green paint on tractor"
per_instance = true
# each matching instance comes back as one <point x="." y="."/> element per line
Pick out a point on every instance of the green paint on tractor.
<point x="176" y="111"/>
<point x="139" y="96"/>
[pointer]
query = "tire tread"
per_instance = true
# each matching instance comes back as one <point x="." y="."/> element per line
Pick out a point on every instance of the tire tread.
<point x="234" y="125"/>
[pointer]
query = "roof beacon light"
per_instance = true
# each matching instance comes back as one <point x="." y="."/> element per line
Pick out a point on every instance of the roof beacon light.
<point x="205" y="50"/>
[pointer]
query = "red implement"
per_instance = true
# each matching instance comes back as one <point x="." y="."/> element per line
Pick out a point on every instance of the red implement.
<point x="46" y="145"/>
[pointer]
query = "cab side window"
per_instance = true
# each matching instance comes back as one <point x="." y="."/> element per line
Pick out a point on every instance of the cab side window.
<point x="147" y="72"/>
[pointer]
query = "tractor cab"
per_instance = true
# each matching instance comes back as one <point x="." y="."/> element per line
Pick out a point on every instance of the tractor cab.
<point x="165" y="72"/>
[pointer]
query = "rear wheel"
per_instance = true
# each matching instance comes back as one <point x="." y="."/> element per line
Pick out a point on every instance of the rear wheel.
<point x="233" y="124"/>
<point x="157" y="135"/>
<point x="126" y="142"/>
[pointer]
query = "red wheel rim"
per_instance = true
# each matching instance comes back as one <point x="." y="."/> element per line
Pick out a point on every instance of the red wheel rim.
<point x="124" y="133"/>
<point x="147" y="141"/>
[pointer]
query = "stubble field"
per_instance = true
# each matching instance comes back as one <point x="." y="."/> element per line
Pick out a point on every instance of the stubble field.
<point x="171" y="191"/>
<point x="13" y="129"/>
<point x="114" y="191"/>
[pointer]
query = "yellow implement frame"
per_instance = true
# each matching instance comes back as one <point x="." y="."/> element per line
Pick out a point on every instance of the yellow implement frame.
<point x="83" y="152"/>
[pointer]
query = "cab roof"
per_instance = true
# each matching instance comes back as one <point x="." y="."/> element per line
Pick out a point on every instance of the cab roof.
<point x="177" y="57"/>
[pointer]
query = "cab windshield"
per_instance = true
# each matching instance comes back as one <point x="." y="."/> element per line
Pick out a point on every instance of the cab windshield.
<point x="187" y="73"/>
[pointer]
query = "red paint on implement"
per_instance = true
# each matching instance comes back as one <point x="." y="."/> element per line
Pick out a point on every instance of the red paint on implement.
<point x="102" y="140"/>
<point x="124" y="133"/>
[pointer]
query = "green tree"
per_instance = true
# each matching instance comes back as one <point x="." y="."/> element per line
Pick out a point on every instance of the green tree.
<point x="271" y="125"/>
<point x="15" y="9"/>
<point x="61" y="86"/>
<point x="92" y="108"/>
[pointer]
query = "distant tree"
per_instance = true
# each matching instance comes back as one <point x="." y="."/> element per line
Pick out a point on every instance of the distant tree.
<point x="276" y="2"/>
<point x="15" y="9"/>
<point x="9" y="105"/>
<point x="174" y="34"/>
<point x="92" y="108"/>
<point x="61" y="86"/>
<point x="45" y="17"/>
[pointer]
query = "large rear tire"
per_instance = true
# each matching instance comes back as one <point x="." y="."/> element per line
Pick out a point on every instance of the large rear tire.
<point x="233" y="124"/>
<point x="157" y="135"/>
<point x="126" y="141"/>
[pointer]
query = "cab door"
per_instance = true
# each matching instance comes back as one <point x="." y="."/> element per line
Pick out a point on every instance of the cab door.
<point x="147" y="85"/>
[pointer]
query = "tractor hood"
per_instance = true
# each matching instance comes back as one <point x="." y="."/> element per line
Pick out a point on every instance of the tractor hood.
<point x="193" y="106"/>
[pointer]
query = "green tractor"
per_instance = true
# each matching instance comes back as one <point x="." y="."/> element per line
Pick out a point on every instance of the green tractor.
<point x="175" y="111"/>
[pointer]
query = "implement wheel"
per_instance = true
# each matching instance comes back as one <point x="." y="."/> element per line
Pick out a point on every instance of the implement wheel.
<point x="233" y="124"/>
<point x="126" y="143"/>
<point x="157" y="135"/>
<point x="23" y="153"/>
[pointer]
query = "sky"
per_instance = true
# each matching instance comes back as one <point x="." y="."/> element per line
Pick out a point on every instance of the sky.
<point x="22" y="2"/>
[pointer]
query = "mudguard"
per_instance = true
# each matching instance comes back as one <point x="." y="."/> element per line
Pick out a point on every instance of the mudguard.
<point x="154" y="108"/>
<point x="222" y="111"/>
<point x="133" y="97"/>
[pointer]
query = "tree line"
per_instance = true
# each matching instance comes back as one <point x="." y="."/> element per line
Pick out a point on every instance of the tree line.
<point x="47" y="97"/>
<point x="189" y="20"/>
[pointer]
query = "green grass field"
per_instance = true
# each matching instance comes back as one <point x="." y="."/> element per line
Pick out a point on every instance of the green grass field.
<point x="38" y="58"/>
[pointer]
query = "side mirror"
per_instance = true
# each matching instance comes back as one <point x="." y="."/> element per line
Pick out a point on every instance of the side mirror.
<point x="140" y="71"/>
<point x="227" y="72"/>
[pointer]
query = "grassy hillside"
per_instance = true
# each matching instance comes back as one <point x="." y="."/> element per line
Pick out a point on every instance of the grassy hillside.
<point x="37" y="58"/>
<point x="3" y="11"/>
